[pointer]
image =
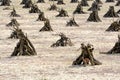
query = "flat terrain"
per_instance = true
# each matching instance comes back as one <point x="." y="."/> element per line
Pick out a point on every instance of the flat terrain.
<point x="55" y="63"/>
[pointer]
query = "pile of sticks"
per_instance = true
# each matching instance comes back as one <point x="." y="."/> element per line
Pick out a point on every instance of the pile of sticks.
<point x="47" y="26"/>
<point x="72" y="22"/>
<point x="24" y="47"/>
<point x="63" y="41"/>
<point x="86" y="56"/>
<point x="62" y="13"/>
<point x="115" y="26"/>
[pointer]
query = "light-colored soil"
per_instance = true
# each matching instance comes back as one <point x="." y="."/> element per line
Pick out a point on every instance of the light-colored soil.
<point x="56" y="63"/>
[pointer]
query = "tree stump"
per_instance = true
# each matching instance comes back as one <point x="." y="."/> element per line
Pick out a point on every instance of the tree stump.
<point x="34" y="9"/>
<point x="84" y="3"/>
<point x="60" y="2"/>
<point x="111" y="12"/>
<point x="62" y="13"/>
<point x="47" y="26"/>
<point x="116" y="48"/>
<point x="5" y="3"/>
<point x="14" y="14"/>
<point x="28" y="4"/>
<point x="94" y="17"/>
<point x="41" y="17"/>
<point x="13" y="23"/>
<point x="86" y="56"/>
<point x="94" y="7"/>
<point x="79" y="10"/>
<point x="72" y="22"/>
<point x="63" y="41"/>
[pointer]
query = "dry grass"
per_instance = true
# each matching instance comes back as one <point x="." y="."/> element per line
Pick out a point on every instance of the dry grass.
<point x="55" y="63"/>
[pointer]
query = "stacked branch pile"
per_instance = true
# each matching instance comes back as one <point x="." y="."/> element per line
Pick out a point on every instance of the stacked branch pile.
<point x="86" y="56"/>
<point x="63" y="41"/>
<point x="24" y="47"/>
